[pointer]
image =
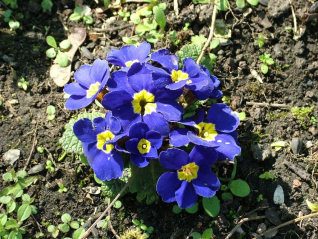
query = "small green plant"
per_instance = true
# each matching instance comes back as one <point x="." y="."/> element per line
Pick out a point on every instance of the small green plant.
<point x="58" y="52"/>
<point x="82" y="13"/>
<point x="40" y="149"/>
<point x="186" y="26"/>
<point x="46" y="5"/>
<point x="260" y="41"/>
<point x="260" y="198"/>
<point x="231" y="214"/>
<point x="50" y="112"/>
<point x="62" y="189"/>
<point x="267" y="60"/>
<point x="141" y="226"/>
<point x="174" y="38"/>
<point x="13" y="3"/>
<point x="304" y="115"/>
<point x="241" y="3"/>
<point x="267" y="175"/>
<point x="200" y="40"/>
<point x="124" y="15"/>
<point x="23" y="84"/>
<point x="13" y="23"/>
<point x="207" y="234"/>
<point x="49" y="166"/>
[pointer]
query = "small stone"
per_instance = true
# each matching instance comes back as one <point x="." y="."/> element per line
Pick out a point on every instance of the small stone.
<point x="273" y="216"/>
<point x="77" y="65"/>
<point x="87" y="53"/>
<point x="257" y="114"/>
<point x="314" y="8"/>
<point x="261" y="154"/>
<point x="263" y="2"/>
<point x="309" y="144"/>
<point x="7" y="58"/>
<point x="261" y="228"/>
<point x="310" y="94"/>
<point x="271" y="234"/>
<point x="277" y="50"/>
<point x="95" y="233"/>
<point x="11" y="156"/>
<point x="299" y="48"/>
<point x="309" y="83"/>
<point x="279" y="195"/>
<point x="276" y="8"/>
<point x="300" y="62"/>
<point x="296" y="145"/>
<point x="313" y="130"/>
<point x="36" y="169"/>
<point x="91" y="45"/>
<point x="263" y="20"/>
<point x="296" y="183"/>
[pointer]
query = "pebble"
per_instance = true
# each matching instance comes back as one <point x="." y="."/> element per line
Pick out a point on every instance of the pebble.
<point x="273" y="216"/>
<point x="95" y="233"/>
<point x="276" y="8"/>
<point x="309" y="83"/>
<point x="36" y="169"/>
<point x="261" y="154"/>
<point x="309" y="144"/>
<point x="11" y="156"/>
<point x="314" y="8"/>
<point x="277" y="50"/>
<point x="279" y="195"/>
<point x="296" y="145"/>
<point x="77" y="65"/>
<point x="263" y="2"/>
<point x="87" y="53"/>
<point x="7" y="58"/>
<point x="299" y="48"/>
<point x="261" y="228"/>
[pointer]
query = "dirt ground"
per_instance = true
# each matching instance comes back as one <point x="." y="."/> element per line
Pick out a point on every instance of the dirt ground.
<point x="292" y="81"/>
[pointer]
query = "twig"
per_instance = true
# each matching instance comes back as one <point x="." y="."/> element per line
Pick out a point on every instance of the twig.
<point x="294" y="16"/>
<point x="232" y="11"/>
<point x="86" y="234"/>
<point x="112" y="28"/>
<point x="241" y="222"/>
<point x="269" y="105"/>
<point x="189" y="234"/>
<point x="37" y="223"/>
<point x="211" y="32"/>
<point x="33" y="145"/>
<point x="301" y="173"/>
<point x="175" y="7"/>
<point x="110" y="224"/>
<point x="287" y="223"/>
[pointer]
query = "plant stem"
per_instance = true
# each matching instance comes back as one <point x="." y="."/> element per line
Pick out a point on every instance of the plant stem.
<point x="86" y="234"/>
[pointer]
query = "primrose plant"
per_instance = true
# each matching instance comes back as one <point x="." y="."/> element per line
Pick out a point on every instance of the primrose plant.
<point x="146" y="123"/>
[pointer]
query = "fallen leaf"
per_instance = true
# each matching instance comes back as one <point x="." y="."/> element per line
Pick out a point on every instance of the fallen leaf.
<point x="61" y="75"/>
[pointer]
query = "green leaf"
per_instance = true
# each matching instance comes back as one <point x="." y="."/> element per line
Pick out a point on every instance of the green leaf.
<point x="15" y="235"/>
<point x="51" y="41"/>
<point x="79" y="10"/>
<point x="264" y="68"/>
<point x="196" y="235"/>
<point x="270" y="61"/>
<point x="160" y="17"/>
<point x="24" y="212"/>
<point x="69" y="141"/>
<point x="65" y="44"/>
<point x="50" y="228"/>
<point x="26" y="198"/>
<point x="176" y="209"/>
<point x="215" y="43"/>
<point x="221" y="30"/>
<point x="106" y="3"/>
<point x="211" y="206"/>
<point x="192" y="50"/>
<point x="7" y="14"/>
<point x="55" y="233"/>
<point x="62" y="59"/>
<point x="50" y="117"/>
<point x="17" y="189"/>
<point x="11" y="224"/>
<point x="162" y="6"/>
<point x="21" y="174"/>
<point x="200" y="40"/>
<point x="50" y="110"/>
<point x="136" y="222"/>
<point x="46" y="5"/>
<point x="118" y="204"/>
<point x="143" y="227"/>
<point x="223" y="5"/>
<point x="66" y="218"/>
<point x="75" y="17"/>
<point x="11" y="206"/>
<point x="262" y="58"/>
<point x="207" y="234"/>
<point x="51" y="53"/>
<point x="253" y="2"/>
<point x="78" y="233"/>
<point x="74" y="225"/>
<point x="5" y="199"/>
<point x="88" y="19"/>
<point x="240" y="3"/>
<point x="227" y="196"/>
<point x="134" y="18"/>
<point x="242" y="116"/>
<point x="3" y="219"/>
<point x="154" y="36"/>
<point x="14" y="24"/>
<point x="239" y="188"/>
<point x="192" y="209"/>
<point x="113" y="187"/>
<point x="64" y="227"/>
<point x="312" y="206"/>
<point x="146" y="180"/>
<point x="150" y="229"/>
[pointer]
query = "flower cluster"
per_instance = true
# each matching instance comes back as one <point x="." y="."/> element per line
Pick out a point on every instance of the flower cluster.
<point x="145" y="119"/>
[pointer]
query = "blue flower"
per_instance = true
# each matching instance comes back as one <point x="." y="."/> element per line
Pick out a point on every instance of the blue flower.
<point x="143" y="144"/>
<point x="99" y="144"/>
<point x="90" y="81"/>
<point x="128" y="55"/>
<point x="134" y="98"/>
<point x="217" y="131"/>
<point x="192" y="175"/>
<point x="169" y="76"/>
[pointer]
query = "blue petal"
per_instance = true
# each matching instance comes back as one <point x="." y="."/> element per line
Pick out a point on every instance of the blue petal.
<point x="224" y="119"/>
<point x="228" y="148"/>
<point x="204" y="92"/>
<point x="75" y="102"/>
<point x="167" y="185"/>
<point x="166" y="93"/>
<point x="90" y="152"/>
<point x="114" y="125"/>
<point x="198" y="82"/>
<point x="179" y="137"/>
<point x="99" y="124"/>
<point x="199" y="141"/>
<point x="138" y="130"/>
<point x="173" y="158"/>
<point x="83" y="129"/>
<point x="75" y="89"/>
<point x="196" y="119"/>
<point x="203" y="156"/>
<point x="170" y="109"/>
<point x="156" y="122"/>
<point x="151" y="154"/>
<point x="140" y="78"/>
<point x="207" y="183"/>
<point x="100" y="72"/>
<point x="139" y="160"/>
<point x="126" y="116"/>
<point x="160" y="77"/>
<point x="117" y="58"/>
<point x="82" y="76"/>
<point x="177" y="85"/>
<point x="186" y="195"/>
<point x="191" y="67"/>
<point x="131" y="146"/>
<point x="116" y="98"/>
<point x="166" y="59"/>
<point x="154" y="138"/>
<point x="119" y="81"/>
<point x="108" y="166"/>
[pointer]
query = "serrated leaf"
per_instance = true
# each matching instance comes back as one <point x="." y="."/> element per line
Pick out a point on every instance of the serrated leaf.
<point x="159" y="17"/>
<point x="24" y="212"/>
<point x="191" y="50"/>
<point x="270" y="61"/>
<point x="69" y="141"/>
<point x="239" y="188"/>
<point x="112" y="188"/>
<point x="146" y="180"/>
<point x="51" y="41"/>
<point x="211" y="206"/>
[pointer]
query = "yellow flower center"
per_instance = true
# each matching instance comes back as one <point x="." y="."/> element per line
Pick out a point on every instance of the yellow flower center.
<point x="129" y="63"/>
<point x="207" y="131"/>
<point x="143" y="102"/>
<point x="93" y="89"/>
<point x="144" y="146"/>
<point x="177" y="76"/>
<point x="188" y="172"/>
<point x="102" y="138"/>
